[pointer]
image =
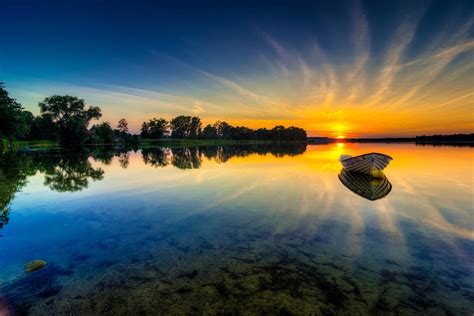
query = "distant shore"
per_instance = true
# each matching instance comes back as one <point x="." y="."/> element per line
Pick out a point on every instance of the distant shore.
<point x="458" y="139"/>
<point x="449" y="140"/>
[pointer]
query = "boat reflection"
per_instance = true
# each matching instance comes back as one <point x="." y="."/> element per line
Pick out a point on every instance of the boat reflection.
<point x="364" y="185"/>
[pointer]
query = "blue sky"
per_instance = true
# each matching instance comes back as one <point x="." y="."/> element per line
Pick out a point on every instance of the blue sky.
<point x="326" y="66"/>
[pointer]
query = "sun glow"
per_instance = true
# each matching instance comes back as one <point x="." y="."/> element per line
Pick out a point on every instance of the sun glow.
<point x="341" y="137"/>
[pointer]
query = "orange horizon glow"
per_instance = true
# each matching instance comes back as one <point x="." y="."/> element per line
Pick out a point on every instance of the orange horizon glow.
<point x="393" y="95"/>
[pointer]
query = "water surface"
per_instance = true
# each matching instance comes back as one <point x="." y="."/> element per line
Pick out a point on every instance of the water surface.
<point x="258" y="229"/>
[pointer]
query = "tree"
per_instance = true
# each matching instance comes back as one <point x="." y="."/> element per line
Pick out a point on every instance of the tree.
<point x="223" y="130"/>
<point x="181" y="126"/>
<point x="43" y="127"/>
<point x="209" y="132"/>
<point x="70" y="116"/>
<point x="26" y="121"/>
<point x="102" y="133"/>
<point x="154" y="128"/>
<point x="12" y="121"/>
<point x="122" y="127"/>
<point x="144" y="130"/>
<point x="195" y="127"/>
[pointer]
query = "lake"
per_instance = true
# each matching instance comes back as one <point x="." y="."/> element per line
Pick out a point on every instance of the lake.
<point x="230" y="230"/>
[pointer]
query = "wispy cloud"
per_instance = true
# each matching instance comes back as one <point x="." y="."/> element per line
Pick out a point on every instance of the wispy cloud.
<point x="357" y="84"/>
<point x="356" y="76"/>
<point x="403" y="36"/>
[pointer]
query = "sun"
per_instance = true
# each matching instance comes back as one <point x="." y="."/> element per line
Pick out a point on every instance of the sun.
<point x="341" y="137"/>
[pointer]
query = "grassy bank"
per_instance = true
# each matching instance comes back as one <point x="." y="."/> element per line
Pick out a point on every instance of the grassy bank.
<point x="142" y="143"/>
<point x="33" y="144"/>
<point x="38" y="144"/>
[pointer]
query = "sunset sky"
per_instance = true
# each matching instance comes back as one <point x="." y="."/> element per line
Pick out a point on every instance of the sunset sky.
<point x="335" y="68"/>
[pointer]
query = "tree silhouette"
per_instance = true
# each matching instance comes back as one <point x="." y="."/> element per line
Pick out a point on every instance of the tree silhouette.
<point x="122" y="126"/>
<point x="70" y="116"/>
<point x="13" y="120"/>
<point x="101" y="133"/>
<point x="154" y="128"/>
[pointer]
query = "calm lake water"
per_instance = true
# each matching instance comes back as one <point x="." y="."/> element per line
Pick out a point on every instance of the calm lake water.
<point x="259" y="230"/>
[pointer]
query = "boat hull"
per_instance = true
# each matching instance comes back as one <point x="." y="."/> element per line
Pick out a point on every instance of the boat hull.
<point x="364" y="185"/>
<point x="366" y="163"/>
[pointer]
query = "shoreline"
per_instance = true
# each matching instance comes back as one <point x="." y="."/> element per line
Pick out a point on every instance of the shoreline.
<point x="174" y="143"/>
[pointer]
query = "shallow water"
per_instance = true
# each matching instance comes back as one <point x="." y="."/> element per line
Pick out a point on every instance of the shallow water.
<point x="236" y="229"/>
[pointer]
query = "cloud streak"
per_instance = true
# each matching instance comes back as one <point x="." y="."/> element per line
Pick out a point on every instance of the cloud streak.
<point x="358" y="85"/>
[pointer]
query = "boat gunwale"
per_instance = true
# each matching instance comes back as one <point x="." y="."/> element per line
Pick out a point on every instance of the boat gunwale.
<point x="368" y="154"/>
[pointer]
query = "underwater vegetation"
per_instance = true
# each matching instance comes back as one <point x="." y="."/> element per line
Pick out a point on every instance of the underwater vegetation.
<point x="34" y="265"/>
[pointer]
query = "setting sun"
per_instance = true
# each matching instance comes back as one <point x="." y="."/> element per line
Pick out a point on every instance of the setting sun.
<point x="341" y="137"/>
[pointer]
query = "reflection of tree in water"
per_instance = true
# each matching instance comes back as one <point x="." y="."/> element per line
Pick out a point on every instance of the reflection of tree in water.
<point x="124" y="160"/>
<point x="4" y="217"/>
<point x="187" y="158"/>
<point x="223" y="153"/>
<point x="156" y="157"/>
<point x="71" y="173"/>
<point x="14" y="171"/>
<point x="191" y="157"/>
<point x="62" y="172"/>
<point x="104" y="154"/>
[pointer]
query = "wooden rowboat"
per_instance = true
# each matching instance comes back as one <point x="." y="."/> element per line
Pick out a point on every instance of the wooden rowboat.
<point x="365" y="163"/>
<point x="364" y="185"/>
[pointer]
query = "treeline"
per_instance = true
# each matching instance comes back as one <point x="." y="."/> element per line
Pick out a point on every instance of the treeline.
<point x="191" y="127"/>
<point x="66" y="119"/>
<point x="453" y="139"/>
<point x="445" y="138"/>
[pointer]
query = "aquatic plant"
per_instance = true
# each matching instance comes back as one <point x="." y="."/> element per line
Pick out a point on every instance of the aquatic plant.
<point x="34" y="265"/>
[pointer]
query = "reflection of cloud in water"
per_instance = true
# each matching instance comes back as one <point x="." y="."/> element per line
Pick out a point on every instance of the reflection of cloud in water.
<point x="254" y="223"/>
<point x="264" y="180"/>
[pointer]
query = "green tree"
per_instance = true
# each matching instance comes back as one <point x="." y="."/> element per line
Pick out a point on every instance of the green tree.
<point x="12" y="119"/>
<point x="122" y="129"/>
<point x="181" y="126"/>
<point x="209" y="132"/>
<point x="43" y="127"/>
<point x="195" y="127"/>
<point x="123" y="126"/>
<point x="154" y="128"/>
<point x="70" y="116"/>
<point x="102" y="133"/>
<point x="223" y="130"/>
<point x="26" y="122"/>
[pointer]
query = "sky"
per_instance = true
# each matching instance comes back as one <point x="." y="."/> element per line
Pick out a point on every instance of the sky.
<point x="334" y="68"/>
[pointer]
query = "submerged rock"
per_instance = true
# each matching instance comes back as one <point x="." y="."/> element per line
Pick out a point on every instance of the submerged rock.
<point x="34" y="265"/>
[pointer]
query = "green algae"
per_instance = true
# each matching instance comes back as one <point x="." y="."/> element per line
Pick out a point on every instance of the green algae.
<point x="34" y="265"/>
